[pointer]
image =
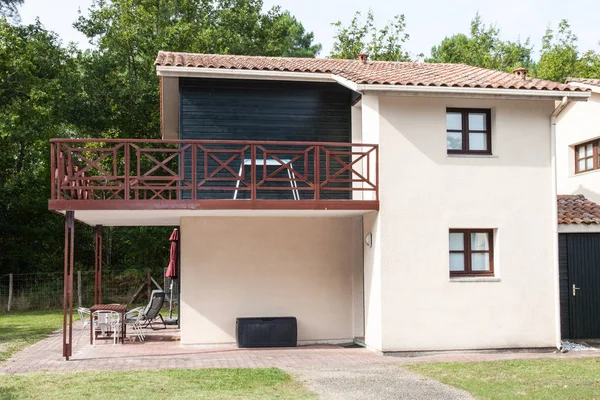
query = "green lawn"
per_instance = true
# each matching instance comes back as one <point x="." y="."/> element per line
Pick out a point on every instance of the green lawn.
<point x="526" y="379"/>
<point x="213" y="384"/>
<point x="18" y="330"/>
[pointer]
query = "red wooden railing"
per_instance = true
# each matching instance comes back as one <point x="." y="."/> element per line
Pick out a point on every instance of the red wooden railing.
<point x="130" y="169"/>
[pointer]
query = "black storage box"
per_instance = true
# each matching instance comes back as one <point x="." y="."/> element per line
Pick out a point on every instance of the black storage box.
<point x="266" y="332"/>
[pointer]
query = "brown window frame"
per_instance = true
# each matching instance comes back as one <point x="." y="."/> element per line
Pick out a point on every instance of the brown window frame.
<point x="465" y="130"/>
<point x="595" y="156"/>
<point x="467" y="252"/>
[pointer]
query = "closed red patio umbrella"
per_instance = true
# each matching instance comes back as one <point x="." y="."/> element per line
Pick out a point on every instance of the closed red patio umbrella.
<point x="172" y="268"/>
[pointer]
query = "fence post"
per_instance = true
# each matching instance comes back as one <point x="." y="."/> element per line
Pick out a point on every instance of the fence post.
<point x="10" y="291"/>
<point x="149" y="282"/>
<point x="78" y="288"/>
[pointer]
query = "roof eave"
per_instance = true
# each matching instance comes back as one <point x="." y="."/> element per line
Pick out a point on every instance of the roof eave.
<point x="593" y="88"/>
<point x="227" y="73"/>
<point x="223" y="73"/>
<point x="578" y="228"/>
<point x="521" y="93"/>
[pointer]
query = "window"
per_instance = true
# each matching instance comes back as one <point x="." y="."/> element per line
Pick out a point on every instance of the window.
<point x="586" y="156"/>
<point x="471" y="252"/>
<point x="468" y="131"/>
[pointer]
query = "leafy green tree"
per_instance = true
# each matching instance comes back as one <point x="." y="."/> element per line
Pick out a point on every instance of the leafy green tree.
<point x="561" y="58"/>
<point x="120" y="82"/>
<point x="47" y="90"/>
<point x="482" y="48"/>
<point x="33" y="71"/>
<point x="8" y="8"/>
<point x="559" y="53"/>
<point x="386" y="44"/>
<point x="588" y="65"/>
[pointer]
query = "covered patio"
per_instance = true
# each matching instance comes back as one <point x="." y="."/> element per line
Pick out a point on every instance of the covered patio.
<point x="285" y="187"/>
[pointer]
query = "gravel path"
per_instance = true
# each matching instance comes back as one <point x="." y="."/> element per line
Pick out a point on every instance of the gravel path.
<point x="373" y="382"/>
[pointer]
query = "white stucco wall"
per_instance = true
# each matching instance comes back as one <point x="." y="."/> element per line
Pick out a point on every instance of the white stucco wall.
<point x="579" y="122"/>
<point x="309" y="268"/>
<point x="424" y="192"/>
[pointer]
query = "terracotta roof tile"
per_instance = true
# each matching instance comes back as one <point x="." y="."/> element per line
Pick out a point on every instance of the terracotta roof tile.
<point x="576" y="209"/>
<point x="585" y="81"/>
<point x="373" y="72"/>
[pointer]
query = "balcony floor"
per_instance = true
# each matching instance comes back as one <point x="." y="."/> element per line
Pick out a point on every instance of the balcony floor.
<point x="172" y="217"/>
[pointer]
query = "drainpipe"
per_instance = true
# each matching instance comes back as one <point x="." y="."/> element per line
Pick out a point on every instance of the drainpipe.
<point x="561" y="106"/>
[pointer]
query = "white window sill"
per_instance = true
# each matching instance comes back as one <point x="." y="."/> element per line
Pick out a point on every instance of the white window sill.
<point x="575" y="175"/>
<point x="471" y="156"/>
<point x="476" y="279"/>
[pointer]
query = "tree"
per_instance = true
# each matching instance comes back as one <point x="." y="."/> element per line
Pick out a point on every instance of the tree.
<point x="8" y="8"/>
<point x="385" y="44"/>
<point x="560" y="57"/>
<point x="47" y="90"/>
<point x="559" y="53"/>
<point x="34" y="69"/>
<point x="120" y="83"/>
<point x="482" y="48"/>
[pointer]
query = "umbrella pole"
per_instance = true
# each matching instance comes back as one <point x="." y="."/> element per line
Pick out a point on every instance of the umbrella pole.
<point x="171" y="301"/>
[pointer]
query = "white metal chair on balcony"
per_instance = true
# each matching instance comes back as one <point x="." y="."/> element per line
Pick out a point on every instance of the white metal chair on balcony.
<point x="274" y="163"/>
<point x="106" y="322"/>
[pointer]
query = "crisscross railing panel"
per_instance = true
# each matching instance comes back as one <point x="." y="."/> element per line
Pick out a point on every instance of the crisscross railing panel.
<point x="130" y="169"/>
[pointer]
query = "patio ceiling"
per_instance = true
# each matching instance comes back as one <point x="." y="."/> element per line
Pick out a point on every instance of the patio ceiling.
<point x="172" y="217"/>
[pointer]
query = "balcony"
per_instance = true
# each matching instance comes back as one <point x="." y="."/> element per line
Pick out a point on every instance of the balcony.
<point x="129" y="174"/>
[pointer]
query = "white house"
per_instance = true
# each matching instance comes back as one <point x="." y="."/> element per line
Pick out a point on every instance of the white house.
<point x="409" y="206"/>
<point x="578" y="182"/>
<point x="578" y="144"/>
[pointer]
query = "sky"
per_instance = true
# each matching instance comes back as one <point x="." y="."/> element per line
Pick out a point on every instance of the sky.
<point x="428" y="21"/>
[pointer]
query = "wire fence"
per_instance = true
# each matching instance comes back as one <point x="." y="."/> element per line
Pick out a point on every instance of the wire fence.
<point x="44" y="291"/>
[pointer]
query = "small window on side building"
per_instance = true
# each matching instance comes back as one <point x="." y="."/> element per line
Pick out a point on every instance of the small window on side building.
<point x="587" y="156"/>
<point x="471" y="252"/>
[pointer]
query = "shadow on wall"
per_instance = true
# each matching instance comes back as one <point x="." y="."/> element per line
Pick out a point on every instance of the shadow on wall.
<point x="591" y="195"/>
<point x="268" y="267"/>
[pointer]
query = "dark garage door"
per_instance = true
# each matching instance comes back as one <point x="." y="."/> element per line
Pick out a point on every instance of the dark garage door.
<point x="579" y="259"/>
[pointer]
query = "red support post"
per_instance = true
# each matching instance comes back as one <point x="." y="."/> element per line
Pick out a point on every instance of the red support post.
<point x="52" y="171"/>
<point x="98" y="266"/>
<point x="68" y="285"/>
<point x="194" y="171"/>
<point x="253" y="167"/>
<point x="126" y="172"/>
<point x="317" y="180"/>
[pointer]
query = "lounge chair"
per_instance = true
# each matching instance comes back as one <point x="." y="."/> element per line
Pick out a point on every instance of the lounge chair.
<point x="152" y="310"/>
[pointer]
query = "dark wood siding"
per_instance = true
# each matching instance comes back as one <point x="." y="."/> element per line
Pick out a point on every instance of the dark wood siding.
<point x="565" y="319"/>
<point x="234" y="109"/>
<point x="579" y="266"/>
<point x="584" y="272"/>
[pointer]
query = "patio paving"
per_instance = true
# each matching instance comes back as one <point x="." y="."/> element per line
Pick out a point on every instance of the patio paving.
<point x="162" y="350"/>
<point x="334" y="372"/>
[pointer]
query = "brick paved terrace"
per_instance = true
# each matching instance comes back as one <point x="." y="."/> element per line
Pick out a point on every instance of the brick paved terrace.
<point x="162" y="351"/>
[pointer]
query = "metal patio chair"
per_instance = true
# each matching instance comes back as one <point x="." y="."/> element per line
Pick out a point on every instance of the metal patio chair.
<point x="133" y="319"/>
<point x="86" y="316"/>
<point x="106" y="322"/>
<point x="152" y="310"/>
